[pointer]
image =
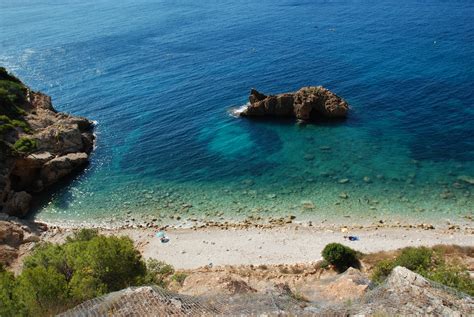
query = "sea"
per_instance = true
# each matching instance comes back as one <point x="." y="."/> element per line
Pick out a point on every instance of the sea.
<point x="160" y="79"/>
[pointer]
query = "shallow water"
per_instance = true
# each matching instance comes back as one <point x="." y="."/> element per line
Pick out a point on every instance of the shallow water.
<point x="160" y="78"/>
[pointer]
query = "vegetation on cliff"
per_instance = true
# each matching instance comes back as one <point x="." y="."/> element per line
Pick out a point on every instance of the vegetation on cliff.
<point x="56" y="277"/>
<point x="24" y="145"/>
<point x="340" y="256"/>
<point x="12" y="100"/>
<point x="429" y="263"/>
<point x="29" y="124"/>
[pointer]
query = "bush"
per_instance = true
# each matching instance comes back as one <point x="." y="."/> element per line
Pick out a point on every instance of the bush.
<point x="382" y="270"/>
<point x="179" y="278"/>
<point x="83" y="235"/>
<point x="56" y="277"/>
<point x="453" y="276"/>
<point x="44" y="291"/>
<point x="8" y="303"/>
<point x="340" y="256"/>
<point x="5" y="127"/>
<point x="25" y="145"/>
<point x="157" y="272"/>
<point x="4" y="75"/>
<point x="415" y="259"/>
<point x="12" y="98"/>
<point x="429" y="264"/>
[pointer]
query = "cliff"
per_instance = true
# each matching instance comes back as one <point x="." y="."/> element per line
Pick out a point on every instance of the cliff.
<point x="38" y="145"/>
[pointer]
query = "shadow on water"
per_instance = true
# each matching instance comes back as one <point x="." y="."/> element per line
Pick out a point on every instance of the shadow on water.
<point x="59" y="190"/>
<point x="289" y="121"/>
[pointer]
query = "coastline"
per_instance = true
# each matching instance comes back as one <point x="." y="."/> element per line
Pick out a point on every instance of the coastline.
<point x="192" y="248"/>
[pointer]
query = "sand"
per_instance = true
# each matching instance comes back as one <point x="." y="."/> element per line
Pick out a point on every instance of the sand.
<point x="189" y="249"/>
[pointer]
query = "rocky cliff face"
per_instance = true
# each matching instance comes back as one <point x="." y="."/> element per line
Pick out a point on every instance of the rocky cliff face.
<point x="305" y="104"/>
<point x="39" y="146"/>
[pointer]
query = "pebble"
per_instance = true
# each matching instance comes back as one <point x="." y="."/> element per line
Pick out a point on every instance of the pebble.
<point x="467" y="179"/>
<point x="307" y="204"/>
<point x="344" y="195"/>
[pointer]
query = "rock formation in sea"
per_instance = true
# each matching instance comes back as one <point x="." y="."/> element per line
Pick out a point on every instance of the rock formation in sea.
<point x="38" y="145"/>
<point x="307" y="103"/>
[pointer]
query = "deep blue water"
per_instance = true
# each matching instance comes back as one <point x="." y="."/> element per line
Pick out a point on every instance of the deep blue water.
<point x="160" y="76"/>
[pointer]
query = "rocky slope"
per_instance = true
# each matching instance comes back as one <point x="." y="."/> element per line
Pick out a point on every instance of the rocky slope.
<point x="17" y="238"/>
<point x="405" y="293"/>
<point x="38" y="145"/>
<point x="305" y="104"/>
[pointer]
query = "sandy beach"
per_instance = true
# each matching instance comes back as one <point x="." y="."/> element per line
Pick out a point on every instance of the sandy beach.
<point x="193" y="248"/>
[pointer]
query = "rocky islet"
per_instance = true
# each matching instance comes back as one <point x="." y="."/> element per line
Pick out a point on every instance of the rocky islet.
<point x="308" y="103"/>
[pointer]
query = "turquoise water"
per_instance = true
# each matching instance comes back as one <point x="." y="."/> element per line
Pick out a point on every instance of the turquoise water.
<point x="160" y="78"/>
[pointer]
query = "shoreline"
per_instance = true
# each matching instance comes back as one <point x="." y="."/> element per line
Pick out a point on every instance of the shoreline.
<point x="286" y="244"/>
<point x="132" y="220"/>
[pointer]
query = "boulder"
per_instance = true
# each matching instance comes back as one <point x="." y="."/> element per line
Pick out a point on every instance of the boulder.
<point x="11" y="237"/>
<point x="10" y="234"/>
<point x="408" y="293"/>
<point x="18" y="203"/>
<point x="14" y="234"/>
<point x="350" y="285"/>
<point x="62" y="166"/>
<point x="306" y="104"/>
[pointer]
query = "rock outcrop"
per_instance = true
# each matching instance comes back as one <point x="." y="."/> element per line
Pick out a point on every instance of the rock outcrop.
<point x="306" y="104"/>
<point x="407" y="293"/>
<point x="57" y="146"/>
<point x="16" y="237"/>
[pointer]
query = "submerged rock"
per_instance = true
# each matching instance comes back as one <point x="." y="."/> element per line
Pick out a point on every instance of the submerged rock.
<point x="466" y="179"/>
<point x="307" y="103"/>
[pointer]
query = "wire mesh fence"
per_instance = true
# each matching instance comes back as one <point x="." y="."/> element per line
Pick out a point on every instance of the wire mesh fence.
<point x="155" y="301"/>
<point x="404" y="293"/>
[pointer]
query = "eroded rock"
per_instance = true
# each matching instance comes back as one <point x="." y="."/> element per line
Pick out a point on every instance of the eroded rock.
<point x="305" y="104"/>
<point x="62" y="147"/>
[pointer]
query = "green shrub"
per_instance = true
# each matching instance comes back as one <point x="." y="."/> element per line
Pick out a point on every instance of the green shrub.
<point x="382" y="270"/>
<point x="157" y="272"/>
<point x="9" y="306"/>
<point x="56" y="277"/>
<point x="415" y="259"/>
<point x="4" y="75"/>
<point x="25" y="145"/>
<point x="5" y="127"/>
<point x="429" y="264"/>
<point x="453" y="276"/>
<point x="42" y="290"/>
<point x="21" y="124"/>
<point x="179" y="277"/>
<point x="12" y="96"/>
<point x="83" y="235"/>
<point x="340" y="256"/>
<point x="7" y="124"/>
